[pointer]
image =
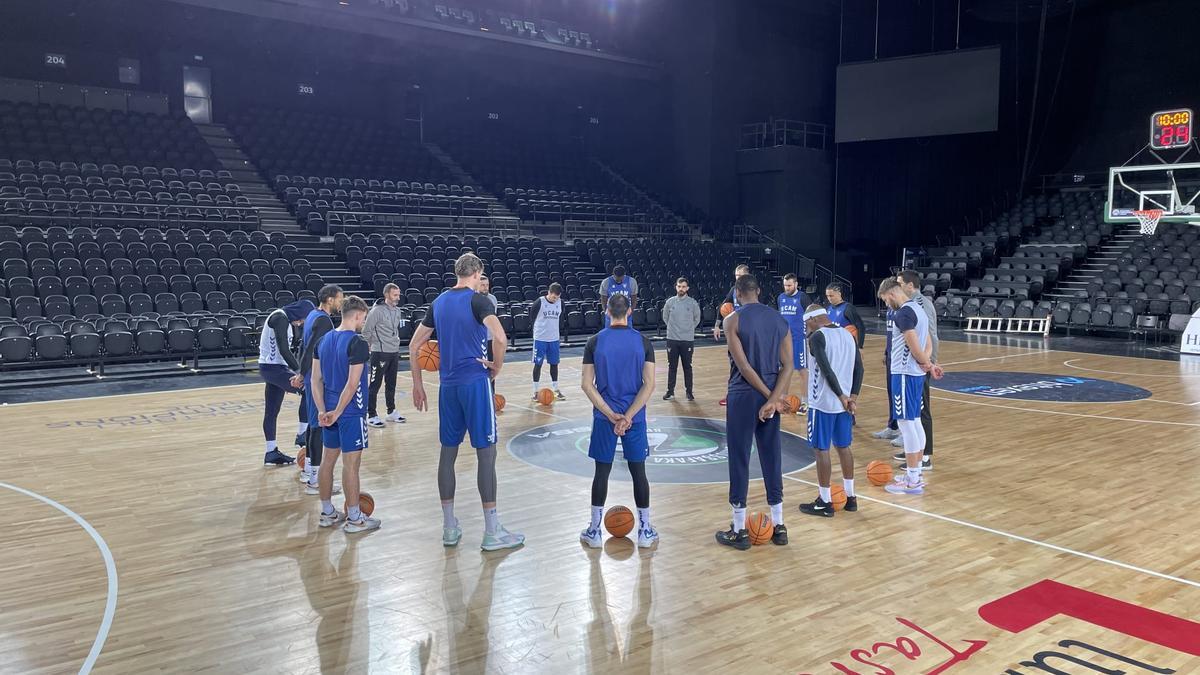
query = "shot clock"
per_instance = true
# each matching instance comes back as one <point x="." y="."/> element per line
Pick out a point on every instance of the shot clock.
<point x="1171" y="129"/>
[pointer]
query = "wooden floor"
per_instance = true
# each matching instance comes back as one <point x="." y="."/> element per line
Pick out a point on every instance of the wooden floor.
<point x="220" y="567"/>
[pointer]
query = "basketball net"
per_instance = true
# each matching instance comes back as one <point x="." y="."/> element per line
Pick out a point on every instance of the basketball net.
<point x="1148" y="219"/>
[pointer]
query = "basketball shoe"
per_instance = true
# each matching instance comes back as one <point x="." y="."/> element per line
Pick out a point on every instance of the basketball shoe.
<point x="739" y="540"/>
<point x="364" y="524"/>
<point x="501" y="539"/>
<point x="332" y="519"/>
<point x="592" y="537"/>
<point x="277" y="458"/>
<point x="451" y="535"/>
<point x="647" y="537"/>
<point x="818" y="507"/>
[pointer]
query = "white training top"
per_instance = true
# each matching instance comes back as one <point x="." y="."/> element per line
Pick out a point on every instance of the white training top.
<point x="910" y="316"/>
<point x="268" y="346"/>
<point x="545" y="326"/>
<point x="840" y="349"/>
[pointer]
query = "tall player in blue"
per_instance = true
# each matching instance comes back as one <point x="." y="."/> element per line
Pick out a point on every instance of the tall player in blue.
<point x="618" y="378"/>
<point x="792" y="303"/>
<point x="760" y="355"/>
<point x="619" y="284"/>
<point x="316" y="325"/>
<point x="340" y="383"/>
<point x="911" y="359"/>
<point x="464" y="318"/>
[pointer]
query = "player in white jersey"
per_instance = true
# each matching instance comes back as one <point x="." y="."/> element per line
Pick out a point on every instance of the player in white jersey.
<point x="544" y="315"/>
<point x="834" y="362"/>
<point x="280" y="369"/>
<point x="910" y="360"/>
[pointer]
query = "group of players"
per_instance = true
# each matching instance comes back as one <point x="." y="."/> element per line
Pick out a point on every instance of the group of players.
<point x="766" y="346"/>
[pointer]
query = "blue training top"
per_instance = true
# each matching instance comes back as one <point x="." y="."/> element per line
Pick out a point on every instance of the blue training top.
<point x="619" y="354"/>
<point x="792" y="307"/>
<point x="457" y="315"/>
<point x="760" y="331"/>
<point x="338" y="351"/>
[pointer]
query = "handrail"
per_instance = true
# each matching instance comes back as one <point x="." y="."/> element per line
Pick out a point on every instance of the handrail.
<point x="495" y="225"/>
<point x="822" y="276"/>
<point x="160" y="205"/>
<point x="576" y="229"/>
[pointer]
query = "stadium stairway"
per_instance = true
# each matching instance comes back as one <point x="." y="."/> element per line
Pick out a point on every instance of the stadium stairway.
<point x="322" y="259"/>
<point x="495" y="207"/>
<point x="1094" y="265"/>
<point x="616" y="175"/>
<point x="274" y="213"/>
<point x="573" y="263"/>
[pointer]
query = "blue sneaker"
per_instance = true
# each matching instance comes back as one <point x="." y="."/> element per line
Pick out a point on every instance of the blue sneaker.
<point x="277" y="458"/>
<point x="451" y="535"/>
<point x="592" y="537"/>
<point x="647" y="537"/>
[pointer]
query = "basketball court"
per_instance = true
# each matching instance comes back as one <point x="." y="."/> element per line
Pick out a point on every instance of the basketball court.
<point x="145" y="535"/>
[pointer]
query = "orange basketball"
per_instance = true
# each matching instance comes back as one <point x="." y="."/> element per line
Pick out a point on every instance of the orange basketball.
<point x="366" y="503"/>
<point x="853" y="332"/>
<point x="760" y="528"/>
<point x="302" y="457"/>
<point x="545" y="396"/>
<point x="618" y="521"/>
<point x="793" y="402"/>
<point x="429" y="358"/>
<point x="838" y="495"/>
<point x="879" y="473"/>
<point x="726" y="309"/>
<point x="498" y="400"/>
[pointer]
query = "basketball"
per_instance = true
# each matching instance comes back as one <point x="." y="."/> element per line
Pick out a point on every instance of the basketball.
<point x="853" y="332"/>
<point x="302" y="457"/>
<point x="879" y="473"/>
<point x="428" y="357"/>
<point x="498" y="399"/>
<point x="618" y="521"/>
<point x="366" y="503"/>
<point x="793" y="403"/>
<point x="760" y="528"/>
<point x="838" y="496"/>
<point x="726" y="309"/>
<point x="545" y="396"/>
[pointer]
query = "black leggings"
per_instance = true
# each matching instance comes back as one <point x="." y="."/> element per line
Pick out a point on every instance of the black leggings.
<point x="383" y="372"/>
<point x="537" y="372"/>
<point x="641" y="486"/>
<point x="277" y="378"/>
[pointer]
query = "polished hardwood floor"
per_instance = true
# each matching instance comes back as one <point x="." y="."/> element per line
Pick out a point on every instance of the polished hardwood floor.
<point x="220" y="566"/>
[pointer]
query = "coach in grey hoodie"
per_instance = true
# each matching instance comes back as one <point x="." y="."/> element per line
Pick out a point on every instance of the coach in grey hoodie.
<point x="681" y="314"/>
<point x="382" y="332"/>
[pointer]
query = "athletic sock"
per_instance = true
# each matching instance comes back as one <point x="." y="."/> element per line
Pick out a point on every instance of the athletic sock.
<point x="739" y="519"/>
<point x="825" y="494"/>
<point x="597" y="515"/>
<point x="448" y="514"/>
<point x="301" y="427"/>
<point x="270" y="446"/>
<point x="326" y="506"/>
<point x="354" y="514"/>
<point x="913" y="474"/>
<point x="777" y="513"/>
<point x="491" y="520"/>
<point x="535" y="386"/>
<point x="554" y="385"/>
<point x="848" y="485"/>
<point x="644" y="518"/>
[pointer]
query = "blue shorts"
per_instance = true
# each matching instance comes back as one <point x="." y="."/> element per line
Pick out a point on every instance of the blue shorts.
<point x="907" y="396"/>
<point x="825" y="429"/>
<point x="348" y="434"/>
<point x="635" y="446"/>
<point x="464" y="408"/>
<point x="799" y="358"/>
<point x="545" y="351"/>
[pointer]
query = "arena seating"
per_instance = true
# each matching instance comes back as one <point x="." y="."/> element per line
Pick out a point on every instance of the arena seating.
<point x="1053" y="255"/>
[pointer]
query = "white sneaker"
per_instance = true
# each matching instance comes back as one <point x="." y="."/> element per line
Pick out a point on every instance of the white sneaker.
<point x="396" y="417"/>
<point x="885" y="434"/>
<point x="365" y="524"/>
<point x="306" y="477"/>
<point x="376" y="423"/>
<point x="897" y="442"/>
<point x="592" y="537"/>
<point x="501" y="539"/>
<point x="906" y="488"/>
<point x="314" y="489"/>
<point x="647" y="537"/>
<point x="332" y="519"/>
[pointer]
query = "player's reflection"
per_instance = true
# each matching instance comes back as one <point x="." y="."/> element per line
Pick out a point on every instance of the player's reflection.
<point x="468" y="617"/>
<point x="608" y="650"/>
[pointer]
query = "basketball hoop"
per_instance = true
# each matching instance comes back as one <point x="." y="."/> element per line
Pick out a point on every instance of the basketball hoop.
<point x="1148" y="219"/>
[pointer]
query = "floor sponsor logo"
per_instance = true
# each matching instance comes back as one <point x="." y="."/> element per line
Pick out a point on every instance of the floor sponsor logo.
<point x="172" y="415"/>
<point x="1039" y="387"/>
<point x="682" y="450"/>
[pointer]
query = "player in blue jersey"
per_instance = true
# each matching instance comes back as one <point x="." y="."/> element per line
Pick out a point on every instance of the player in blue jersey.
<point x="842" y="313"/>
<point x="316" y="325"/>
<point x="792" y="303"/>
<point x="619" y="284"/>
<point x="618" y="378"/>
<point x="731" y="298"/>
<point x="340" y="383"/>
<point x="760" y="355"/>
<point x="464" y="319"/>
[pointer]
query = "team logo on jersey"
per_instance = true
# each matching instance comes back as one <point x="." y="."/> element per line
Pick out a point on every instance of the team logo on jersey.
<point x="682" y="450"/>
<point x="1039" y="387"/>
